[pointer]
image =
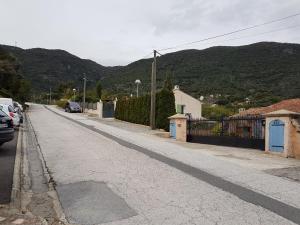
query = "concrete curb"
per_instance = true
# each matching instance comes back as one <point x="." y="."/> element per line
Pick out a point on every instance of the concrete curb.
<point x="16" y="186"/>
<point x="51" y="183"/>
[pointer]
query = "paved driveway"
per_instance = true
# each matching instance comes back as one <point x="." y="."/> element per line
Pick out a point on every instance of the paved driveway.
<point x="104" y="179"/>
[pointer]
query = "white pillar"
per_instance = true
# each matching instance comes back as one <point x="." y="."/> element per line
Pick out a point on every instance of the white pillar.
<point x="100" y="109"/>
<point x="115" y="103"/>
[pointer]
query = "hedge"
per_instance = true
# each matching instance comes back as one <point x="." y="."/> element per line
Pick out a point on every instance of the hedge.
<point x="61" y="103"/>
<point x="137" y="110"/>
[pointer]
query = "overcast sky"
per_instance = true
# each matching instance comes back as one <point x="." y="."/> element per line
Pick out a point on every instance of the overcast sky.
<point x="117" y="32"/>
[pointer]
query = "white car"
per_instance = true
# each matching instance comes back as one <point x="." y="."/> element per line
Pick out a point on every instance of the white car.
<point x="9" y="110"/>
<point x="6" y="101"/>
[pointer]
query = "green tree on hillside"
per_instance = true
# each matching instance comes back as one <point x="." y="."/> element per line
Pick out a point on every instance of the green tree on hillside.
<point x="99" y="89"/>
<point x="168" y="84"/>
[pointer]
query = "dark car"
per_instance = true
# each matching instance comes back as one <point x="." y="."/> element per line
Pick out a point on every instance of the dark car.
<point x="72" y="107"/>
<point x="6" y="128"/>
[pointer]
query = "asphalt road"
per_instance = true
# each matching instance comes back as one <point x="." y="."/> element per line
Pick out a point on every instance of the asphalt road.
<point x="284" y="210"/>
<point x="7" y="161"/>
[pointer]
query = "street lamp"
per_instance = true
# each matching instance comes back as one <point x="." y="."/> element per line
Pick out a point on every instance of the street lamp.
<point x="74" y="91"/>
<point x="138" y="82"/>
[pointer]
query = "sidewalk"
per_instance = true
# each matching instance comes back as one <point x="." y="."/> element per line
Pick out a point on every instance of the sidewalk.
<point x="250" y="158"/>
<point x="9" y="216"/>
<point x="233" y="166"/>
<point x="33" y="201"/>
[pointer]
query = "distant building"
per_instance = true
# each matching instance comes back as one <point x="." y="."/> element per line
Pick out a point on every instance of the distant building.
<point x="185" y="103"/>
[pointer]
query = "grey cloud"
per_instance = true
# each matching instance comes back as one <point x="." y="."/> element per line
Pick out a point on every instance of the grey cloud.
<point x="119" y="32"/>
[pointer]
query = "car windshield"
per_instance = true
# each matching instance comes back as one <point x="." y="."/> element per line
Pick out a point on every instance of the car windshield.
<point x="2" y="114"/>
<point x="74" y="104"/>
<point x="10" y="108"/>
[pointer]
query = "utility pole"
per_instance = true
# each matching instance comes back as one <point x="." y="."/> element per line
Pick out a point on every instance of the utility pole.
<point x="50" y="97"/>
<point x="153" y="93"/>
<point x="84" y="87"/>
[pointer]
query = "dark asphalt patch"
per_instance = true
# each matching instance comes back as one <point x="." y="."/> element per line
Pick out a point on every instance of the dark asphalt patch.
<point x="291" y="173"/>
<point x="7" y="163"/>
<point x="287" y="211"/>
<point x="90" y="202"/>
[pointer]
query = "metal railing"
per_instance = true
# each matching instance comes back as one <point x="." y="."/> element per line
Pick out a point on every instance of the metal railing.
<point x="230" y="131"/>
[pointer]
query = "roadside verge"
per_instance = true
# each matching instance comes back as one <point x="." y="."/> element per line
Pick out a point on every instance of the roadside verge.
<point x="16" y="186"/>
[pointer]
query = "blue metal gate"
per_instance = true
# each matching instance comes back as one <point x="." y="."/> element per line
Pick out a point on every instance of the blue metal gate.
<point x="173" y="130"/>
<point x="108" y="109"/>
<point x="276" y="136"/>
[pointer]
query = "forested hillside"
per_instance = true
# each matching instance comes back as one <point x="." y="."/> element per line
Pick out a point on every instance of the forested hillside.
<point x="263" y="72"/>
<point x="12" y="83"/>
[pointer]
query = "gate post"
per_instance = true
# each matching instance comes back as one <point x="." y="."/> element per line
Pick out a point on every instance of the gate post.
<point x="100" y="109"/>
<point x="115" y="103"/>
<point x="283" y="117"/>
<point x="179" y="123"/>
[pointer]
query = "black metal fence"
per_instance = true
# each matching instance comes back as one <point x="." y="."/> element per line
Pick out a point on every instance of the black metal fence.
<point x="248" y="132"/>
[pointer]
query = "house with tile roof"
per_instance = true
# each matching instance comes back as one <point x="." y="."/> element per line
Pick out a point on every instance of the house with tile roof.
<point x="281" y="128"/>
<point x="292" y="105"/>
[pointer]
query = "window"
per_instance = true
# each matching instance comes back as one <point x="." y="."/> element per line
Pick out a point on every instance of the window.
<point x="2" y="114"/>
<point x="180" y="109"/>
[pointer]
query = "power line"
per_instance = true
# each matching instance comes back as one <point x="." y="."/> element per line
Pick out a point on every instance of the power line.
<point x="232" y="32"/>
<point x="146" y="56"/>
<point x="254" y="35"/>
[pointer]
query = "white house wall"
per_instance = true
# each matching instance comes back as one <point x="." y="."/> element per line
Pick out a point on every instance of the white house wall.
<point x="191" y="104"/>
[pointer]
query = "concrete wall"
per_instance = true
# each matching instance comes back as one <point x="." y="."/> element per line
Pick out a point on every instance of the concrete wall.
<point x="181" y="125"/>
<point x="191" y="104"/>
<point x="295" y="138"/>
<point x="97" y="111"/>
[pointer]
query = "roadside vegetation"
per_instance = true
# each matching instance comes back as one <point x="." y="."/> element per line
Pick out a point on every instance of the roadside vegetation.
<point x="137" y="110"/>
<point x="253" y="72"/>
<point x="12" y="82"/>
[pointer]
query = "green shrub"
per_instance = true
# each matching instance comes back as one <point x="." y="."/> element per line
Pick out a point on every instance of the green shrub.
<point x="61" y="103"/>
<point x="137" y="110"/>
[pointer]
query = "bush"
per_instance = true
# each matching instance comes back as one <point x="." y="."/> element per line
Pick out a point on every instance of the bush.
<point x="137" y="110"/>
<point x="61" y="103"/>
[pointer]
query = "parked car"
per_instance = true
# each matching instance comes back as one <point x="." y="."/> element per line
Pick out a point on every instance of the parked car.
<point x="20" y="106"/>
<point x="18" y="109"/>
<point x="9" y="110"/>
<point x="6" y="101"/>
<point x="72" y="107"/>
<point x="6" y="128"/>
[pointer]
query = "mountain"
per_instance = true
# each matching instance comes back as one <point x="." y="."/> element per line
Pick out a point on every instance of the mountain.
<point x="47" y="68"/>
<point x="263" y="72"/>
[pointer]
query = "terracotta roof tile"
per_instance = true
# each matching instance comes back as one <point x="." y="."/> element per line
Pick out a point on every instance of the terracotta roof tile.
<point x="289" y="104"/>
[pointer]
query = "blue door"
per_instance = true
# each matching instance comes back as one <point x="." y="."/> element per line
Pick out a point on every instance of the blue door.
<point x="276" y="136"/>
<point x="172" y="130"/>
